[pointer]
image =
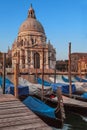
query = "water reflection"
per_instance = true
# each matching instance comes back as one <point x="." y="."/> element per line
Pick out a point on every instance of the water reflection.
<point x="74" y="122"/>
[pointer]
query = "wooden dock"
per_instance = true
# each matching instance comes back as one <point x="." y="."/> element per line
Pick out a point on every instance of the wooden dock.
<point x="14" y="115"/>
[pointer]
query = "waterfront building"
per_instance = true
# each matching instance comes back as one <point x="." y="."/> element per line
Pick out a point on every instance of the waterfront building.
<point x="62" y="65"/>
<point x="31" y="46"/>
<point x="77" y="58"/>
<point x="1" y="60"/>
<point x="82" y="65"/>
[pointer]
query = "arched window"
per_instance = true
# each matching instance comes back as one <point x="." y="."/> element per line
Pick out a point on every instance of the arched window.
<point x="32" y="40"/>
<point x="36" y="60"/>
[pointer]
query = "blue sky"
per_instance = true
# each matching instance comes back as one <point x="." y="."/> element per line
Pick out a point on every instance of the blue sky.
<point x="64" y="21"/>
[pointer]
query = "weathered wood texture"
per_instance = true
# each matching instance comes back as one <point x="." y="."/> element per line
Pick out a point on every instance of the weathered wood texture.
<point x="14" y="115"/>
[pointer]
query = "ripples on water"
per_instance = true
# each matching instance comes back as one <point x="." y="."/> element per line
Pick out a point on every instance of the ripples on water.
<point x="84" y="118"/>
<point x="74" y="122"/>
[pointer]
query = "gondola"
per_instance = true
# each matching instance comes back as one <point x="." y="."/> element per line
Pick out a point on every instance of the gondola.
<point x="71" y="104"/>
<point x="52" y="116"/>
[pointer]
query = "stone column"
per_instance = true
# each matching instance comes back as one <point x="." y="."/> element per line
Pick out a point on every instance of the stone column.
<point x="26" y="59"/>
<point x="47" y="60"/>
<point x="13" y="62"/>
<point x="41" y="60"/>
<point x="21" y="59"/>
<point x="32" y="60"/>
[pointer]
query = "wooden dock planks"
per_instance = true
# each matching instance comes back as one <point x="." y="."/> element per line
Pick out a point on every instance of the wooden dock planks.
<point x="14" y="115"/>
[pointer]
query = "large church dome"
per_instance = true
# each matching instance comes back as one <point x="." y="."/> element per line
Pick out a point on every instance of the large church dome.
<point x="31" y="24"/>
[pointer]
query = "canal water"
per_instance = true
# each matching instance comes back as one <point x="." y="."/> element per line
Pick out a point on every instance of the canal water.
<point x="74" y="122"/>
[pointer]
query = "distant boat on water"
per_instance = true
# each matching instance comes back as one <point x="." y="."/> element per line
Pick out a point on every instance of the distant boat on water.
<point x="79" y="79"/>
<point x="80" y="86"/>
<point x="64" y="87"/>
<point x="7" y="81"/>
<point x="66" y="79"/>
<point x="46" y="83"/>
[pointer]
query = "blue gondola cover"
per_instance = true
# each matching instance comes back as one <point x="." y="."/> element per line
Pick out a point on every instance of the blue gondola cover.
<point x="39" y="80"/>
<point x="39" y="107"/>
<point x="66" y="79"/>
<point x="84" y="95"/>
<point x="64" y="87"/>
<point x="22" y="90"/>
<point x="80" y="79"/>
<point x="7" y="81"/>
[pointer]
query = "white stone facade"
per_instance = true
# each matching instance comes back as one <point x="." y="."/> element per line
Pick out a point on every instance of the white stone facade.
<point x="30" y="47"/>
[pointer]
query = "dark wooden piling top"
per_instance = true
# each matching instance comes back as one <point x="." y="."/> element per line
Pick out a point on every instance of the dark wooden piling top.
<point x="14" y="115"/>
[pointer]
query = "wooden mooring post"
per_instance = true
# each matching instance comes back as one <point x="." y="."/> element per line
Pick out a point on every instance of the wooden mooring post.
<point x="60" y="101"/>
<point x="69" y="70"/>
<point x="16" y="70"/>
<point x="4" y="71"/>
<point x="42" y="75"/>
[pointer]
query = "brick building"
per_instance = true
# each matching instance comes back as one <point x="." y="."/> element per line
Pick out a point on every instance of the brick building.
<point x="75" y="59"/>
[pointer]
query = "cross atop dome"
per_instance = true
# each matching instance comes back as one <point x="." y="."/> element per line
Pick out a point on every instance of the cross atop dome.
<point x="31" y="13"/>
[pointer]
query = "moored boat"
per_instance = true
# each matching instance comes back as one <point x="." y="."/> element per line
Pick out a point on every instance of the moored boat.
<point x="51" y="116"/>
<point x="74" y="105"/>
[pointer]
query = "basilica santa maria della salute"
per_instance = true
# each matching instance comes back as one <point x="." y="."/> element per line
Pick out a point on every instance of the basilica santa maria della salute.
<point x="30" y="48"/>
